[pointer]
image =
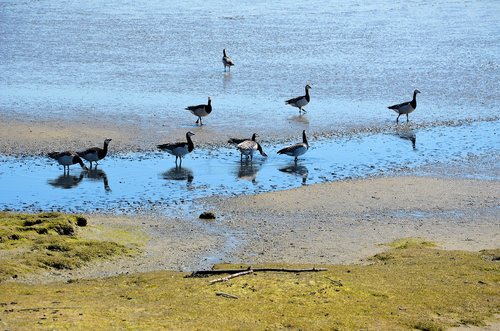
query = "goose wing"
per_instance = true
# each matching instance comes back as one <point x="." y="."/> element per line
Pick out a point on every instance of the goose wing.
<point x="290" y="149"/>
<point x="236" y="141"/>
<point x="247" y="144"/>
<point x="171" y="146"/>
<point x="293" y="100"/>
<point x="193" y="108"/>
<point x="400" y="105"/>
<point x="57" y="155"/>
<point x="92" y="150"/>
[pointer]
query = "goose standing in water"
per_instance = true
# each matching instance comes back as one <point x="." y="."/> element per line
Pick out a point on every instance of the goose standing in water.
<point x="237" y="141"/>
<point x="297" y="149"/>
<point x="95" y="154"/>
<point x="248" y="147"/>
<point x="179" y="149"/>
<point x="406" y="107"/>
<point x="227" y="61"/>
<point x="201" y="110"/>
<point x="301" y="101"/>
<point x="66" y="159"/>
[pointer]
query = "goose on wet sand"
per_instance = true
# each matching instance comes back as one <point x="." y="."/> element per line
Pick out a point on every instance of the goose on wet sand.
<point x="237" y="141"/>
<point x="227" y="61"/>
<point x="66" y="159"/>
<point x="406" y="107"/>
<point x="248" y="147"/>
<point x="297" y="149"/>
<point x="95" y="154"/>
<point x="201" y="110"/>
<point x="179" y="149"/>
<point x="301" y="101"/>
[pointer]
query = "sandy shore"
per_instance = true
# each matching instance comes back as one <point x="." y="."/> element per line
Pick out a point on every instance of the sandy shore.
<point x="344" y="222"/>
<point x="340" y="222"/>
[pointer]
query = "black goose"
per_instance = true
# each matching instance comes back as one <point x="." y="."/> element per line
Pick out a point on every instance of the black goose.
<point x="237" y="141"/>
<point x="227" y="61"/>
<point x="297" y="149"/>
<point x="201" y="110"/>
<point x="66" y="159"/>
<point x="179" y="149"/>
<point x="406" y="107"/>
<point x="95" y="154"/>
<point x="301" y="101"/>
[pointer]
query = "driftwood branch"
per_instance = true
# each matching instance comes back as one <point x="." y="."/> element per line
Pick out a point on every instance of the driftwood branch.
<point x="204" y="273"/>
<point x="223" y="279"/>
<point x="226" y="295"/>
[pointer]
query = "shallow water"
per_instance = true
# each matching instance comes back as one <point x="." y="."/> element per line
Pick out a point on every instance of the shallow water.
<point x="146" y="61"/>
<point x="144" y="182"/>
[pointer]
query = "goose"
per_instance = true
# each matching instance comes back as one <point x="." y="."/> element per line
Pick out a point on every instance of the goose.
<point x="227" y="61"/>
<point x="201" y="110"/>
<point x="248" y="147"/>
<point x="67" y="158"/>
<point x="297" y="149"/>
<point x="179" y="149"/>
<point x="237" y="141"/>
<point x="95" y="154"/>
<point x="301" y="101"/>
<point x="405" y="107"/>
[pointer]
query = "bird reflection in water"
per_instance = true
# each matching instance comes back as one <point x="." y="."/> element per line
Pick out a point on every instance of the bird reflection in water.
<point x="299" y="119"/>
<point x="248" y="171"/>
<point x="179" y="173"/>
<point x="408" y="134"/>
<point x="297" y="170"/>
<point x="98" y="175"/>
<point x="226" y="80"/>
<point x="67" y="181"/>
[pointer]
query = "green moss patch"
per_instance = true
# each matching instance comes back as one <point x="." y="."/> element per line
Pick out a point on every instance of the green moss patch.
<point x="417" y="287"/>
<point x="33" y="242"/>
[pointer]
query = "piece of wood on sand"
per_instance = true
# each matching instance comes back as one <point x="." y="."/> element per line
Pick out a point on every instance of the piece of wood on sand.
<point x="204" y="273"/>
<point x="226" y="295"/>
<point x="223" y="279"/>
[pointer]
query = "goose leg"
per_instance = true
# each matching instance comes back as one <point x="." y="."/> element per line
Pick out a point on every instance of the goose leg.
<point x="305" y="111"/>
<point x="397" y="119"/>
<point x="197" y="120"/>
<point x="407" y="120"/>
<point x="201" y="123"/>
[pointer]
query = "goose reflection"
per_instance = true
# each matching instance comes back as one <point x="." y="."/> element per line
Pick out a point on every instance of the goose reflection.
<point x="226" y="80"/>
<point x="98" y="175"/>
<point x="248" y="171"/>
<point x="408" y="134"/>
<point x="299" y="119"/>
<point x="67" y="181"/>
<point x="179" y="173"/>
<point x="297" y="170"/>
